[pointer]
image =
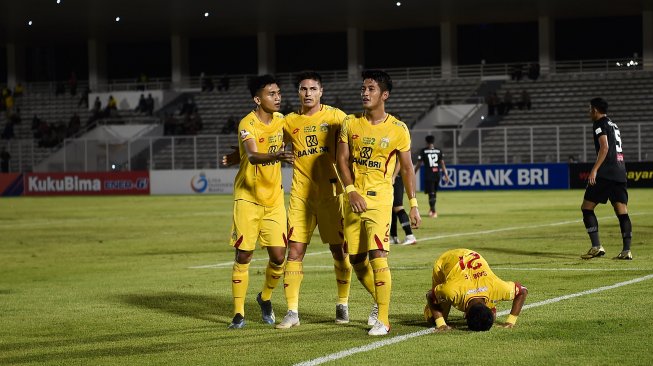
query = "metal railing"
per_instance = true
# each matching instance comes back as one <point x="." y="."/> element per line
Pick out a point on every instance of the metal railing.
<point x="501" y="145"/>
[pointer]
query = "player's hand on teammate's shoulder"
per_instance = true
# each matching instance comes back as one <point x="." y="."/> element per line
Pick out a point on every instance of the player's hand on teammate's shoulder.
<point x="231" y="158"/>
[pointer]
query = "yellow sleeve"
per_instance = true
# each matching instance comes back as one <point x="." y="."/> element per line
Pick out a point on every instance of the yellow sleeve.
<point x="344" y="131"/>
<point x="246" y="130"/>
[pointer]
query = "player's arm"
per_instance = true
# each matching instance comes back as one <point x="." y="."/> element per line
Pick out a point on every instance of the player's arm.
<point x="437" y="312"/>
<point x="517" y="304"/>
<point x="395" y="173"/>
<point x="444" y="169"/>
<point x="600" y="158"/>
<point x="408" y="176"/>
<point x="356" y="201"/>
<point x="256" y="157"/>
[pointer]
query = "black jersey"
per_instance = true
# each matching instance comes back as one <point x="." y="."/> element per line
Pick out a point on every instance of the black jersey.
<point x="613" y="167"/>
<point x="432" y="158"/>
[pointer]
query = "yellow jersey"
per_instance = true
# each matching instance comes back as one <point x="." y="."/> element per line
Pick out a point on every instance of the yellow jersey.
<point x="314" y="141"/>
<point x="372" y="151"/>
<point x="460" y="275"/>
<point x="260" y="183"/>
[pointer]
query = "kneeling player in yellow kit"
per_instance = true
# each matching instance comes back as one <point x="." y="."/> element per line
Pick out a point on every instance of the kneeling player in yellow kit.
<point x="463" y="279"/>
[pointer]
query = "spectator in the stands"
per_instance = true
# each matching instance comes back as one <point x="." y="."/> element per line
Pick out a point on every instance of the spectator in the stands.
<point x="142" y="105"/>
<point x="111" y="109"/>
<point x="188" y="107"/>
<point x="229" y="127"/>
<point x="149" y="104"/>
<point x="5" y="156"/>
<point x="507" y="103"/>
<point x="492" y="101"/>
<point x="524" y="100"/>
<point x="141" y="80"/>
<point x="517" y="72"/>
<point x="206" y="83"/>
<point x="534" y="71"/>
<point x="223" y="83"/>
<point x="171" y="125"/>
<point x="83" y="100"/>
<point x="8" y="131"/>
<point x="72" y="83"/>
<point x="74" y="125"/>
<point x="19" y="90"/>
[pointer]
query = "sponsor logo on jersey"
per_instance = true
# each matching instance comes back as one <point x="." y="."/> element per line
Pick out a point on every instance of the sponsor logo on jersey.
<point x="369" y="140"/>
<point x="243" y="134"/>
<point x="262" y="139"/>
<point x="295" y="131"/>
<point x="309" y="129"/>
<point x="311" y="140"/>
<point x="385" y="142"/>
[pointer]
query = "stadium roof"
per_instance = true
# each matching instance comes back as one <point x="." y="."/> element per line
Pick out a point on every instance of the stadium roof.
<point x="78" y="20"/>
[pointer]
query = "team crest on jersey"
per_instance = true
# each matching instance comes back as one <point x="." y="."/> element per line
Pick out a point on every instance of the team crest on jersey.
<point x="385" y="142"/>
<point x="243" y="134"/>
<point x="324" y="127"/>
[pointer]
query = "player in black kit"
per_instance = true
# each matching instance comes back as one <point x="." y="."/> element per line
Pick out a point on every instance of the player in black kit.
<point x="433" y="158"/>
<point x="607" y="180"/>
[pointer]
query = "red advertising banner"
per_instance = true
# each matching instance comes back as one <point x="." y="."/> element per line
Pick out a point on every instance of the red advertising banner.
<point x="102" y="183"/>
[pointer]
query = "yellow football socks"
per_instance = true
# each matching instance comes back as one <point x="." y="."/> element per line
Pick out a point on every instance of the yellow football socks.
<point x="292" y="281"/>
<point x="273" y="273"/>
<point x="366" y="276"/>
<point x="239" y="283"/>
<point x="383" y="283"/>
<point x="343" y="279"/>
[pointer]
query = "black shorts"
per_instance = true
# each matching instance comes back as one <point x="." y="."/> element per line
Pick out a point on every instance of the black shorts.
<point x="605" y="189"/>
<point x="432" y="183"/>
<point x="398" y="199"/>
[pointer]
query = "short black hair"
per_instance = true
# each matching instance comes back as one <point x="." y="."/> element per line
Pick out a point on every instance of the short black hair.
<point x="381" y="77"/>
<point x="259" y="82"/>
<point x="600" y="105"/>
<point x="479" y="317"/>
<point x="309" y="75"/>
<point x="430" y="139"/>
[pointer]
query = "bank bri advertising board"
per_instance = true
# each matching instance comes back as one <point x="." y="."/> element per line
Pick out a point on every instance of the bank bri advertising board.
<point x="506" y="176"/>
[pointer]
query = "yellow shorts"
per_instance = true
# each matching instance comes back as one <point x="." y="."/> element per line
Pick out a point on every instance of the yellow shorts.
<point x="368" y="230"/>
<point x="253" y="222"/>
<point x="304" y="215"/>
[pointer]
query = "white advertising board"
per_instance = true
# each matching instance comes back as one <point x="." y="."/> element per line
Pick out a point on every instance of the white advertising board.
<point x="207" y="181"/>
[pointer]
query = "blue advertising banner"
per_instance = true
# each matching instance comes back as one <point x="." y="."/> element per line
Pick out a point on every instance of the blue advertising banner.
<point x="507" y="176"/>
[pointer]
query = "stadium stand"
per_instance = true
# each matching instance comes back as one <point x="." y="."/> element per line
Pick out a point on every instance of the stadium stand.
<point x="559" y="108"/>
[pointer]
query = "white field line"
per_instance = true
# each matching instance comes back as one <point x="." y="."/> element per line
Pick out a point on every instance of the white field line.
<point x="401" y="338"/>
<point x="404" y="268"/>
<point x="512" y="228"/>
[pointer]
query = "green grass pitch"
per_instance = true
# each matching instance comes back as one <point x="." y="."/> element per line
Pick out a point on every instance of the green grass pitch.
<point x="146" y="281"/>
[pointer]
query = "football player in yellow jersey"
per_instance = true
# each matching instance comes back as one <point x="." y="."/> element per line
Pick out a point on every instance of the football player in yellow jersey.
<point x="366" y="157"/>
<point x="463" y="279"/>
<point x="315" y="194"/>
<point x="259" y="211"/>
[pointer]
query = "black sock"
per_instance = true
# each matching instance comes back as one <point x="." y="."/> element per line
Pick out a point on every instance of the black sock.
<point x="393" y="224"/>
<point x="626" y="230"/>
<point x="405" y="221"/>
<point x="592" y="226"/>
<point x="432" y="201"/>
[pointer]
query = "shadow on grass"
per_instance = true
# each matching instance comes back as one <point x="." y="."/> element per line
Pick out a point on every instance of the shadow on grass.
<point x="201" y="307"/>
